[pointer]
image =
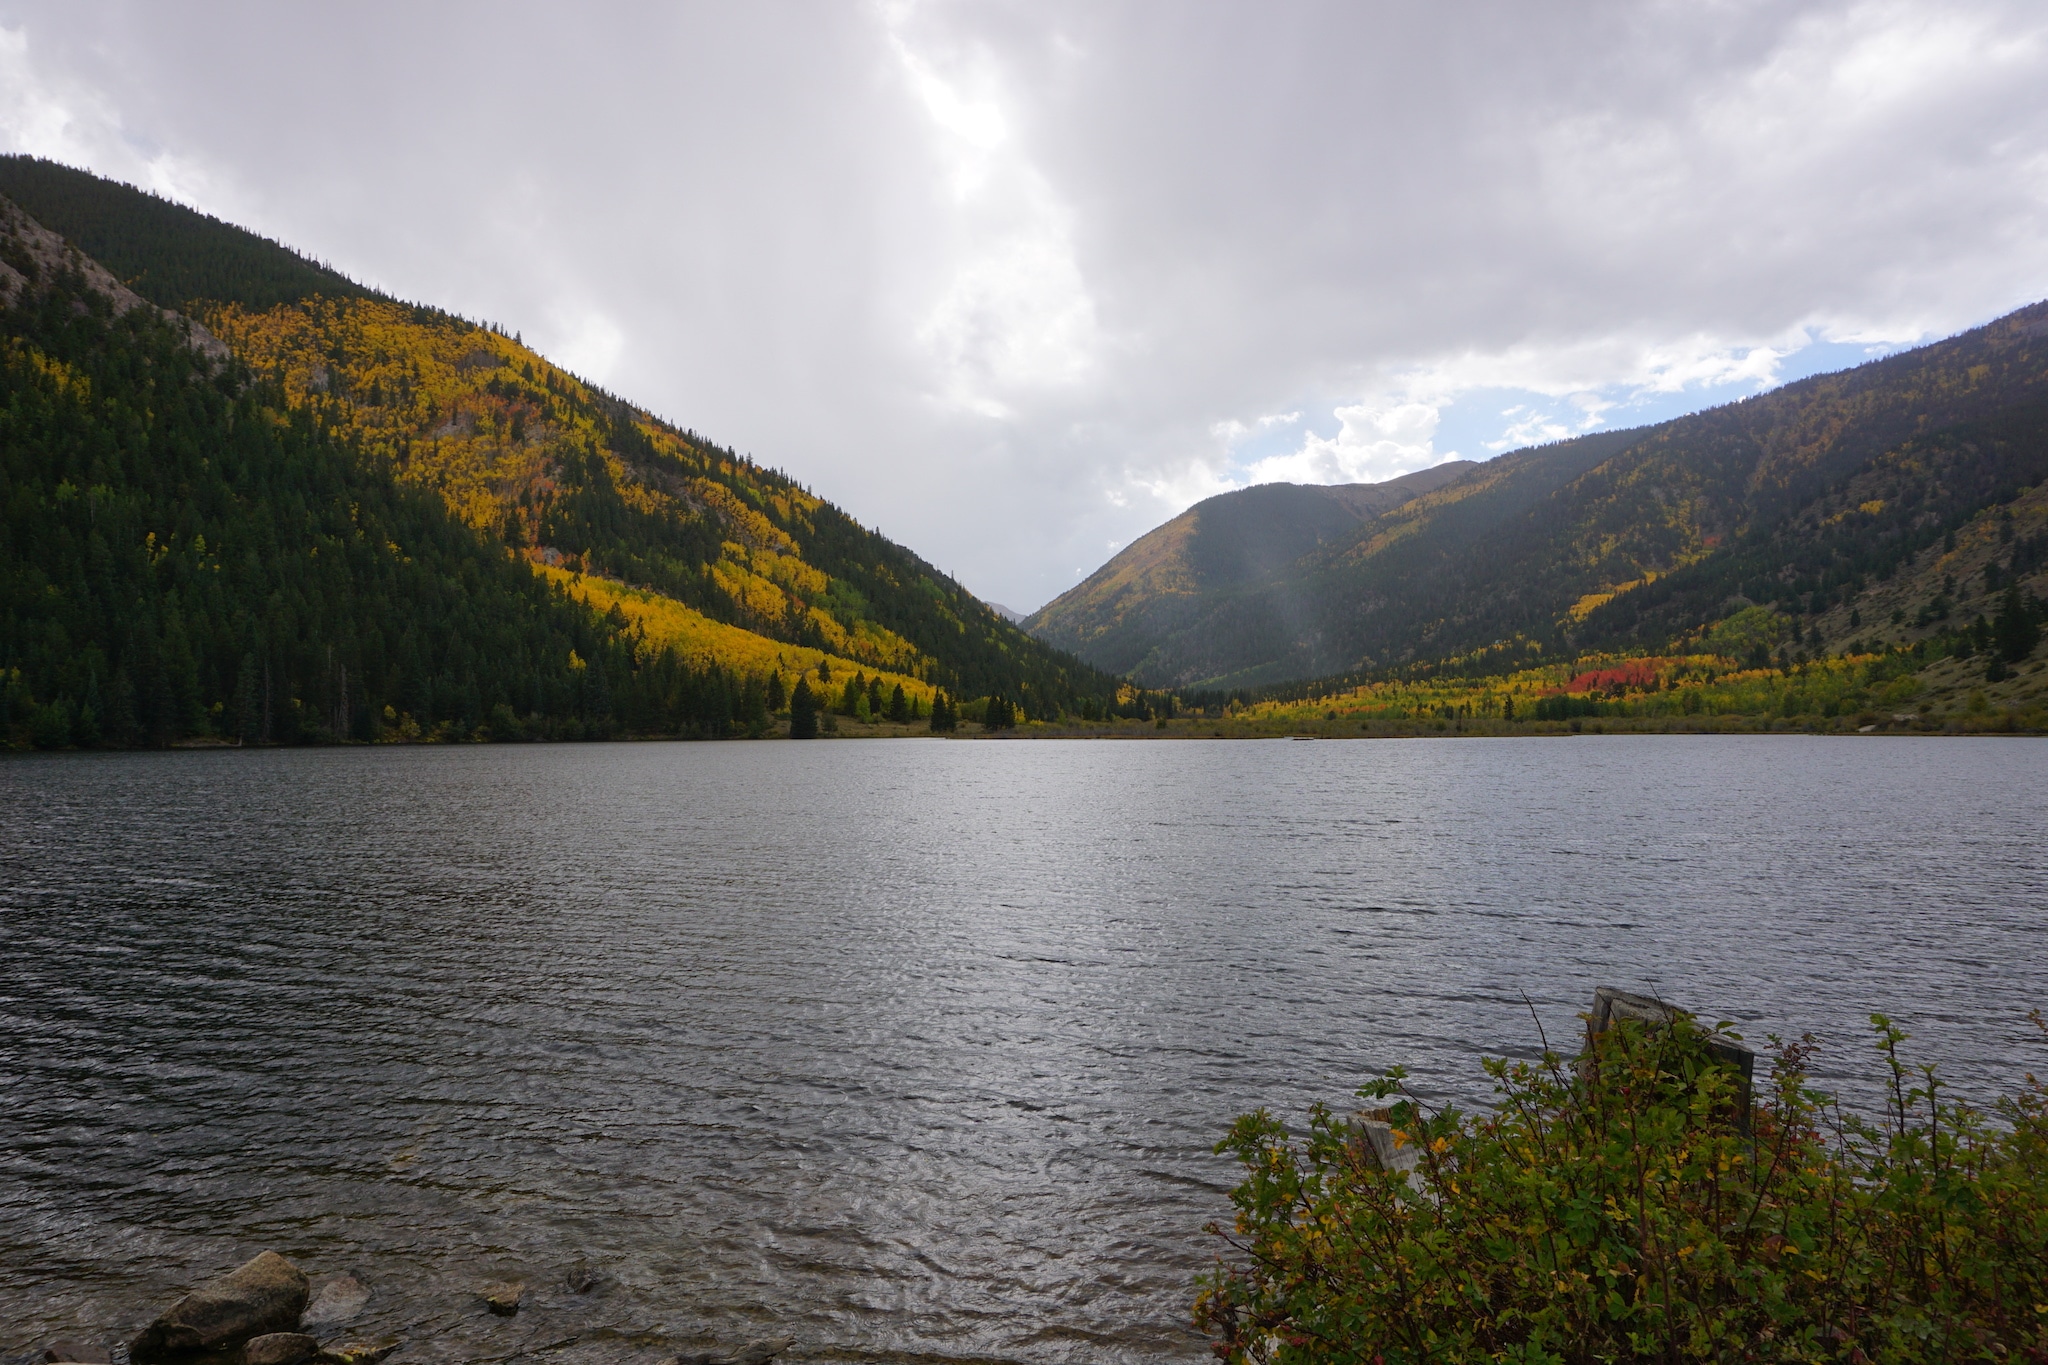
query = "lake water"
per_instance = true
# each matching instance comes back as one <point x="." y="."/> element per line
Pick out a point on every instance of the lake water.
<point x="914" y="1050"/>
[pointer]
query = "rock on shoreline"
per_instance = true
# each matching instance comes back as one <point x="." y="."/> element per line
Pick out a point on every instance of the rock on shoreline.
<point x="264" y="1313"/>
<point x="265" y="1294"/>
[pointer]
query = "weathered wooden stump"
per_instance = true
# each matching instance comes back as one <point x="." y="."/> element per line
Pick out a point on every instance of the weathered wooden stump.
<point x="1612" y="1005"/>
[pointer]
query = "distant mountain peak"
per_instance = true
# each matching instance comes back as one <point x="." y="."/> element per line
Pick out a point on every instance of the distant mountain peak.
<point x="1617" y="539"/>
<point x="1221" y="545"/>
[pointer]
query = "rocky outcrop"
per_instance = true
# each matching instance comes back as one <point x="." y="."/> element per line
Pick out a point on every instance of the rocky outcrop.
<point x="30" y="253"/>
<point x="265" y="1295"/>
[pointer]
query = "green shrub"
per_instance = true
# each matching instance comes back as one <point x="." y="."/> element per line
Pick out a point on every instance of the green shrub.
<point x="1615" y="1209"/>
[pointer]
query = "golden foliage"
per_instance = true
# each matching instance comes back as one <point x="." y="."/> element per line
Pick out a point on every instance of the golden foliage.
<point x="497" y="431"/>
<point x="663" y="621"/>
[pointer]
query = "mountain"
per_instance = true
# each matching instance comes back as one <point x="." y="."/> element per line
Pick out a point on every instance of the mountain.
<point x="656" y="542"/>
<point x="1803" y="499"/>
<point x="1142" y="607"/>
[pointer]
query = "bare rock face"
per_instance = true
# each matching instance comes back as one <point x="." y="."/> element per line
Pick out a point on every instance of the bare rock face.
<point x="44" y="255"/>
<point x="83" y="1353"/>
<point x="335" y="1302"/>
<point x="279" y="1348"/>
<point x="265" y="1295"/>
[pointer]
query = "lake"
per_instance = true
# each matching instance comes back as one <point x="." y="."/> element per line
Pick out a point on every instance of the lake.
<point x="914" y="1050"/>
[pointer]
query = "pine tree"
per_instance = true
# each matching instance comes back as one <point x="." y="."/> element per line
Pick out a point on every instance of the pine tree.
<point x="899" y="705"/>
<point x="2014" y="632"/>
<point x="803" y="711"/>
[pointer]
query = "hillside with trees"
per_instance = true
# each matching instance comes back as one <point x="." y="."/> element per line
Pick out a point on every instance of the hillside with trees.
<point x="627" y="540"/>
<point x="1806" y="499"/>
<point x="1131" y="612"/>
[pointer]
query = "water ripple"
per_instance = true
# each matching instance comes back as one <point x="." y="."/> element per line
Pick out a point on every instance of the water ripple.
<point x="914" y="1050"/>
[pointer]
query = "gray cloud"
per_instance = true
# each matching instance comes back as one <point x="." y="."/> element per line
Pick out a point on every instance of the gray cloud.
<point x="1017" y="281"/>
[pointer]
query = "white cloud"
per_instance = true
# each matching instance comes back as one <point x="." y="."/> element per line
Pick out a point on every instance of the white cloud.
<point x="1014" y="315"/>
<point x="588" y="342"/>
<point x="46" y="116"/>
<point x="1373" y="442"/>
<point x="49" y="113"/>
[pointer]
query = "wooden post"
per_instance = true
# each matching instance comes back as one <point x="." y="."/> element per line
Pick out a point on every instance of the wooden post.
<point x="1611" y="1005"/>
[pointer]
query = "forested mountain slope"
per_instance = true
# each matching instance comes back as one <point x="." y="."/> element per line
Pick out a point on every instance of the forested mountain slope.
<point x="180" y="555"/>
<point x="165" y="252"/>
<point x="1629" y="539"/>
<point x="729" y="559"/>
<point x="1128" y="612"/>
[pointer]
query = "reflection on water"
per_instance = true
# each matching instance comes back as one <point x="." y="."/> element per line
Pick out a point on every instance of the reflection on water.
<point x="915" y="1050"/>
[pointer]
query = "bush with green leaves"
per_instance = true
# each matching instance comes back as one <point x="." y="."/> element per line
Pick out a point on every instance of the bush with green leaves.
<point x="1616" y="1207"/>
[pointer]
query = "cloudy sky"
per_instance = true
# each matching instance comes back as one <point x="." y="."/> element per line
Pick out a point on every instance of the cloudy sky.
<point x="1014" y="282"/>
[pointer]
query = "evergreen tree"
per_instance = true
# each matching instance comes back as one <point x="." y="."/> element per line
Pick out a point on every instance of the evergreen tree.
<point x="754" y="705"/>
<point x="2014" y="632"/>
<point x="778" y="694"/>
<point x="899" y="705"/>
<point x="803" y="711"/>
<point x="943" y="717"/>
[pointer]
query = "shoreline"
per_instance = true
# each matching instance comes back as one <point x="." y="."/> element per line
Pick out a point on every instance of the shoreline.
<point x="1986" y="724"/>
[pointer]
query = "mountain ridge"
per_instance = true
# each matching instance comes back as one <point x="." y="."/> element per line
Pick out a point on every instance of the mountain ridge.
<point x="1545" y="548"/>
<point x="1225" y="544"/>
<point x="539" y="467"/>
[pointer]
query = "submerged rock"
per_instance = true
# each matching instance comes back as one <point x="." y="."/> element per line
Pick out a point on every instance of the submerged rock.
<point x="83" y="1353"/>
<point x="336" y="1301"/>
<point x="503" y="1299"/>
<point x="261" y="1296"/>
<point x="356" y="1352"/>
<point x="753" y="1353"/>
<point x="581" y="1279"/>
<point x="279" y="1348"/>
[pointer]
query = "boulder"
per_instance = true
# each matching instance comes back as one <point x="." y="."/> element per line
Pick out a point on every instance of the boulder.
<point x="335" y="1302"/>
<point x="81" y="1352"/>
<point x="264" y="1295"/>
<point x="279" y="1348"/>
<point x="356" y="1352"/>
<point x="581" y="1279"/>
<point x="503" y="1299"/>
